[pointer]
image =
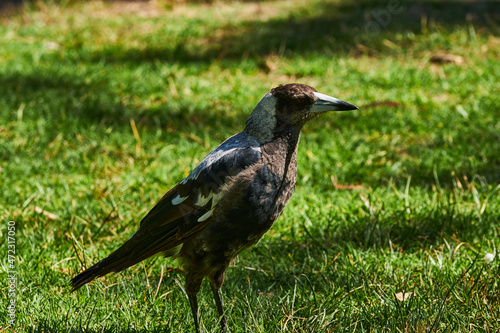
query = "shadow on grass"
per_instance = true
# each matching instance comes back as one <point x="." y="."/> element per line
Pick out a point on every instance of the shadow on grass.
<point x="70" y="100"/>
<point x="327" y="28"/>
<point x="327" y="253"/>
<point x="56" y="326"/>
<point x="72" y="103"/>
<point x="407" y="231"/>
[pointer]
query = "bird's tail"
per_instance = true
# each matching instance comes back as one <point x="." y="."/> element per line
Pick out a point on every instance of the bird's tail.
<point x="135" y="250"/>
<point x="86" y="276"/>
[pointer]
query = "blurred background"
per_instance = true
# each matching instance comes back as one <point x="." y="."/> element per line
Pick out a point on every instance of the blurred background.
<point x="105" y="105"/>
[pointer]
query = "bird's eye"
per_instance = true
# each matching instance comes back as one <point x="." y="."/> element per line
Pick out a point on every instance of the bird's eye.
<point x="301" y="100"/>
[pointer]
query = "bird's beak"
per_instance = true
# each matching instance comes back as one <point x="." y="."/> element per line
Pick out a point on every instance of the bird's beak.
<point x="326" y="103"/>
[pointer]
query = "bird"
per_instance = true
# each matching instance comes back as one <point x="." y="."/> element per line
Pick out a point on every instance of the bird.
<point x="229" y="201"/>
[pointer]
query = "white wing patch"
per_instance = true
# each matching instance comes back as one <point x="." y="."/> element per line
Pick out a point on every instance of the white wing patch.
<point x="240" y="141"/>
<point x="178" y="200"/>
<point x="202" y="201"/>
<point x="206" y="215"/>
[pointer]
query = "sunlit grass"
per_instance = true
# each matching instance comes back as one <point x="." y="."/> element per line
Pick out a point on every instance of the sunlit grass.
<point x="104" y="107"/>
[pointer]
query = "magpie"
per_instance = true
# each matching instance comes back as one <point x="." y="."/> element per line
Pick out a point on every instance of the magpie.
<point x="229" y="201"/>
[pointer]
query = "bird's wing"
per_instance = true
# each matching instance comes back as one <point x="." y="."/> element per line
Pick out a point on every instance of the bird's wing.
<point x="185" y="209"/>
<point x="189" y="206"/>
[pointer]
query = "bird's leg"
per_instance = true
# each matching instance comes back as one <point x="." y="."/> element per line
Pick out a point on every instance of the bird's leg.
<point x="193" y="285"/>
<point x="196" y="312"/>
<point x="216" y="283"/>
<point x="220" y="308"/>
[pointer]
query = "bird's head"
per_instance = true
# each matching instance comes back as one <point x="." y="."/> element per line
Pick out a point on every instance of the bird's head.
<point x="290" y="106"/>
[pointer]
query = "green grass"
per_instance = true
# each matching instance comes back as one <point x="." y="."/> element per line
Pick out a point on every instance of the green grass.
<point x="424" y="149"/>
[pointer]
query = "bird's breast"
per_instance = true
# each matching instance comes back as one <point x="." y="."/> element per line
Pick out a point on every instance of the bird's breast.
<point x="249" y="205"/>
<point x="256" y="197"/>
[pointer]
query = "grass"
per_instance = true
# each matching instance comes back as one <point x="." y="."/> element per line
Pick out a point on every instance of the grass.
<point x="105" y="106"/>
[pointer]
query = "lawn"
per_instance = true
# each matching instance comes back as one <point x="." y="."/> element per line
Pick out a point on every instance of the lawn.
<point x="395" y="222"/>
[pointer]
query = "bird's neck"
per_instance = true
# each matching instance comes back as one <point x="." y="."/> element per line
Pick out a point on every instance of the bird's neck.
<point x="282" y="149"/>
<point x="262" y="122"/>
<point x="261" y="128"/>
<point x="288" y="137"/>
<point x="280" y="157"/>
